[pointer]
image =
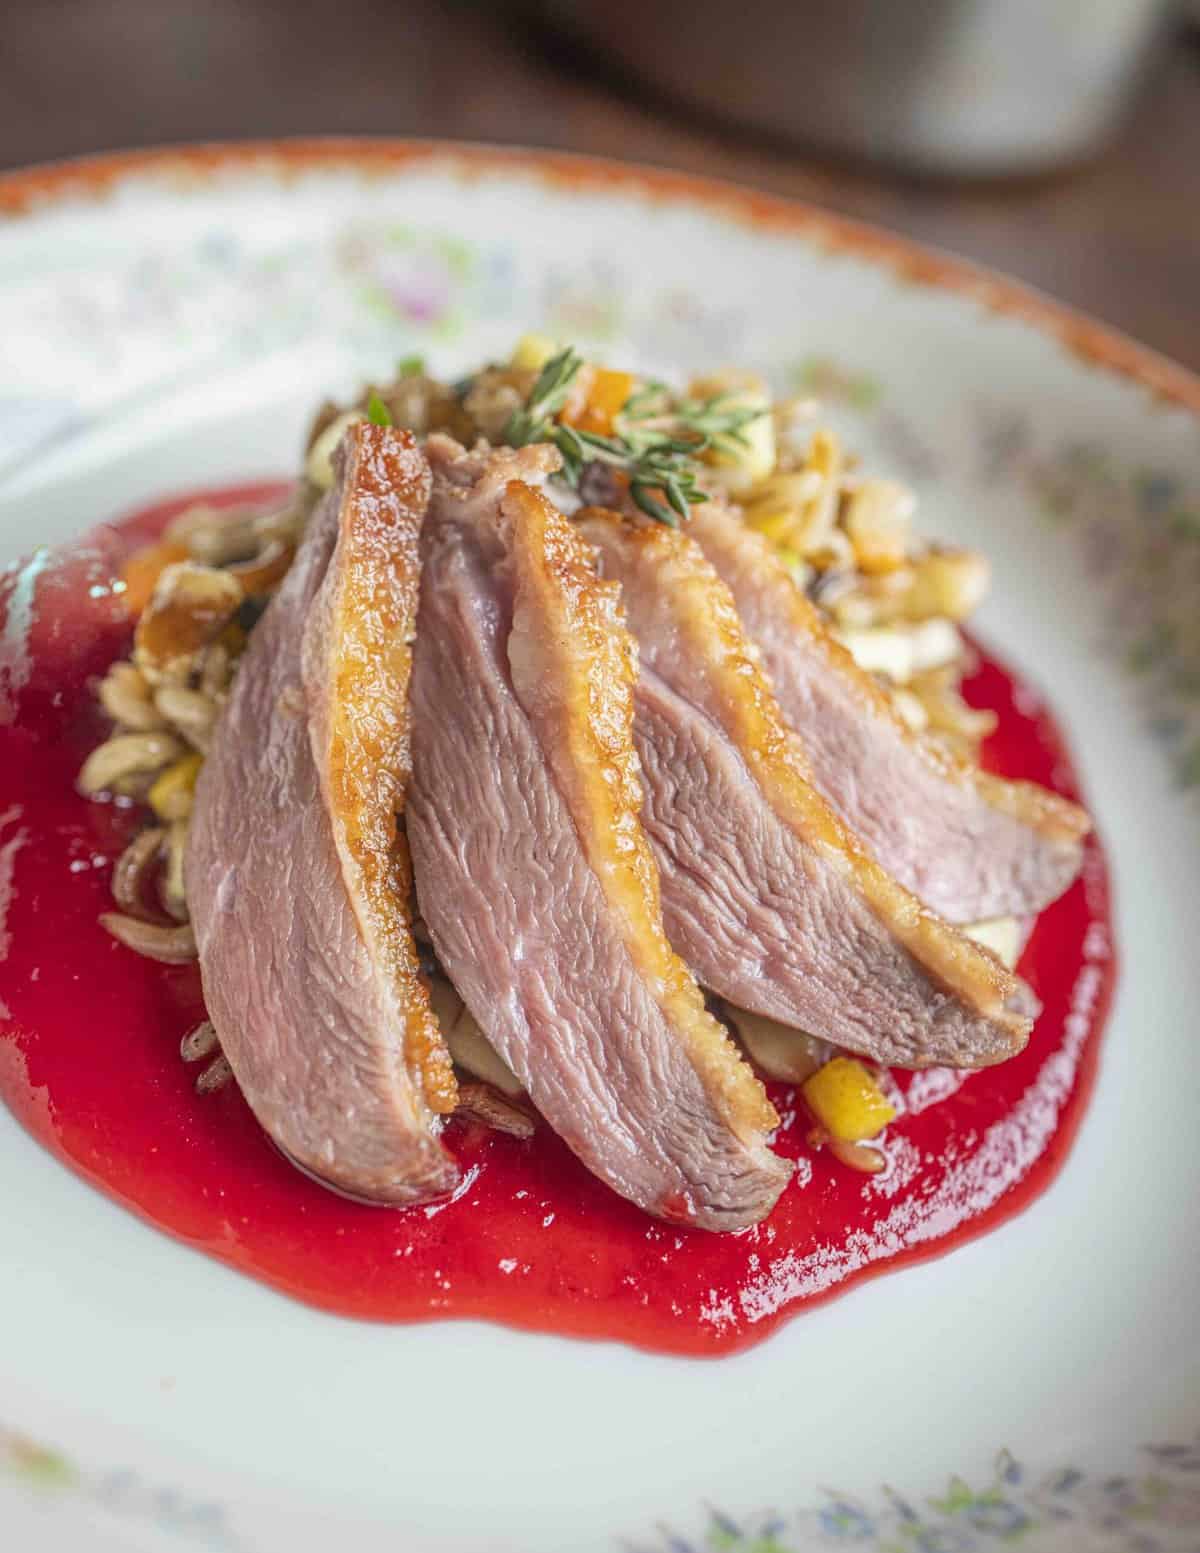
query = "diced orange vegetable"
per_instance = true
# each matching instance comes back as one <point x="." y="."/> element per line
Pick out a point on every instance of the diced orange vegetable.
<point x="605" y="398"/>
<point x="846" y="1100"/>
<point x="143" y="569"/>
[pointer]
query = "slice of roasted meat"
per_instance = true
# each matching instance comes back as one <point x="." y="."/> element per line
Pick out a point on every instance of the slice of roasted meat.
<point x="970" y="845"/>
<point x="298" y="878"/>
<point x="765" y="892"/>
<point x="533" y="873"/>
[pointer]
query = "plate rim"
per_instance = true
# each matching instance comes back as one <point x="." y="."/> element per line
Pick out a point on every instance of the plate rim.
<point x="1094" y="344"/>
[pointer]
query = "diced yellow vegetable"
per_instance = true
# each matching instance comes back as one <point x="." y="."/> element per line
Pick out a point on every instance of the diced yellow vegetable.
<point x="846" y="1100"/>
<point x="171" y="794"/>
<point x="777" y="523"/>
<point x="532" y="352"/>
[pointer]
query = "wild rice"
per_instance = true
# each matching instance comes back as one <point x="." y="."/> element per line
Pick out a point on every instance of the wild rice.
<point x="128" y="754"/>
<point x="132" y="871"/>
<point x="169" y="945"/>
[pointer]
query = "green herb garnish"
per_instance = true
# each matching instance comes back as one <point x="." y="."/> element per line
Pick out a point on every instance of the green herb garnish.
<point x="410" y="366"/>
<point x="533" y="422"/>
<point x="377" y="412"/>
<point x="656" y="441"/>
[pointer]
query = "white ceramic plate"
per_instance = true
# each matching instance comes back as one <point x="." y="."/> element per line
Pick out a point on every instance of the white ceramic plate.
<point x="169" y="320"/>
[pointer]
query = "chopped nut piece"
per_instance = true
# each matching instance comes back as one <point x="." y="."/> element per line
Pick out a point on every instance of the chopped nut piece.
<point x="468" y="1045"/>
<point x="125" y="696"/>
<point x="319" y="464"/>
<point x="878" y="522"/>
<point x="901" y="652"/>
<point x="190" y="607"/>
<point x="947" y="582"/>
<point x="780" y="1052"/>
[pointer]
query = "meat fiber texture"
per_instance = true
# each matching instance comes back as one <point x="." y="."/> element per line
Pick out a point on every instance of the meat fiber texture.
<point x="766" y="894"/>
<point x="969" y="844"/>
<point x="533" y="873"/>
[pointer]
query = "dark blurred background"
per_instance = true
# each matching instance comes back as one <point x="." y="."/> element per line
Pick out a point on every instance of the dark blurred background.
<point x="1058" y="140"/>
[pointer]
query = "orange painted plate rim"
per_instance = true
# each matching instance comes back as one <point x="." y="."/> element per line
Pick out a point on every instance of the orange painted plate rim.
<point x="24" y="191"/>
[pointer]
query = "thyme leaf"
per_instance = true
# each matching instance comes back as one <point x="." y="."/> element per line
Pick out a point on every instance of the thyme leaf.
<point x="655" y="442"/>
<point x="377" y="412"/>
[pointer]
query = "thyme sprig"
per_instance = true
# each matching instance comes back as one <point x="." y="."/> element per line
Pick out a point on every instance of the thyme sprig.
<point x="655" y="442"/>
<point x="534" y="421"/>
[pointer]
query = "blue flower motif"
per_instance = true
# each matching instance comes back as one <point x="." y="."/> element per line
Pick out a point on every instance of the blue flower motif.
<point x="845" y="1521"/>
<point x="1000" y="1516"/>
<point x="1156" y="493"/>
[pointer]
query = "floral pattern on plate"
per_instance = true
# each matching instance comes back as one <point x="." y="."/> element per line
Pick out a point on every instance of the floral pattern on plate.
<point x="51" y="1478"/>
<point x="1155" y="1508"/>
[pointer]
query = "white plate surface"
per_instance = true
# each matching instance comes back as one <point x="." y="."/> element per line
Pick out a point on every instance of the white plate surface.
<point x="168" y="323"/>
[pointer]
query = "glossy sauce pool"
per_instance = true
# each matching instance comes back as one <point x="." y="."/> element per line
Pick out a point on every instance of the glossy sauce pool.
<point x="89" y="1062"/>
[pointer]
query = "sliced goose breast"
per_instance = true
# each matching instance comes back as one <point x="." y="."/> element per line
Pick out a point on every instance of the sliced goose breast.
<point x="298" y="877"/>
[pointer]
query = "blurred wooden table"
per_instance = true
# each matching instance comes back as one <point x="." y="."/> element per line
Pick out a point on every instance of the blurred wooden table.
<point x="1120" y="239"/>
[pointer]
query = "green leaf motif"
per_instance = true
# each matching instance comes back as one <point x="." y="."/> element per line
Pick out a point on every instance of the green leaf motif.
<point x="35" y="1463"/>
<point x="823" y="377"/>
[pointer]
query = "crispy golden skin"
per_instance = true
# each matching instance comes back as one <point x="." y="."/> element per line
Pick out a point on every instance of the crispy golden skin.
<point x="585" y="723"/>
<point x="673" y="591"/>
<point x="365" y="620"/>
